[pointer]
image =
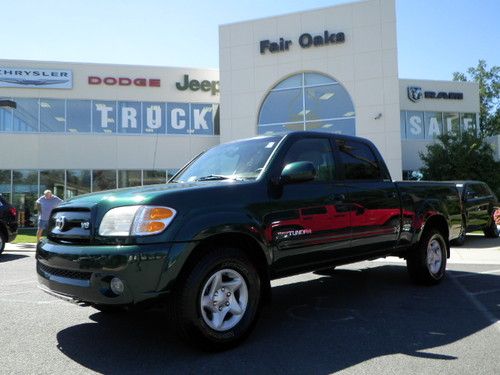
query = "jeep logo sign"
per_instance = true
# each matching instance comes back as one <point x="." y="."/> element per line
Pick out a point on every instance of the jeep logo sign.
<point x="195" y="85"/>
<point x="416" y="93"/>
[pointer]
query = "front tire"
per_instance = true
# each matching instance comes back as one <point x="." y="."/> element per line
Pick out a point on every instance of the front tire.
<point x="218" y="302"/>
<point x="2" y="242"/>
<point x="109" y="309"/>
<point x="460" y="240"/>
<point x="427" y="262"/>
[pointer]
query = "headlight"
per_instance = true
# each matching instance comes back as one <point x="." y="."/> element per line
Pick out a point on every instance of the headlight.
<point x="136" y="220"/>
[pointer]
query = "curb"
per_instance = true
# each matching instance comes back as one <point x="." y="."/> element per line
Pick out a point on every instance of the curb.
<point x="20" y="247"/>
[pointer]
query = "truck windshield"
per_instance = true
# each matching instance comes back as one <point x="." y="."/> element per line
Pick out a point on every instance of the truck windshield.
<point x="241" y="160"/>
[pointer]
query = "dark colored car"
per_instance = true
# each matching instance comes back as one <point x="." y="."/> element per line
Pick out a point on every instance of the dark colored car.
<point x="243" y="213"/>
<point x="8" y="223"/>
<point x="481" y="209"/>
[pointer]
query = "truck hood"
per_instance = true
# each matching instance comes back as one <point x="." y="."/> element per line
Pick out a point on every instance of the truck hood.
<point x="140" y="195"/>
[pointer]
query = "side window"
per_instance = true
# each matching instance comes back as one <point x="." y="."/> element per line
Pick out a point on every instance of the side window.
<point x="359" y="161"/>
<point x="316" y="151"/>
<point x="483" y="190"/>
<point x="472" y="191"/>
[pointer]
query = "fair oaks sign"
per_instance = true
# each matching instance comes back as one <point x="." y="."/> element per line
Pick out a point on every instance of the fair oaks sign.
<point x="305" y="40"/>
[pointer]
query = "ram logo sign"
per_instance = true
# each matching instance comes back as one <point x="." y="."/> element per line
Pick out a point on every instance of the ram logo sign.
<point x="415" y="93"/>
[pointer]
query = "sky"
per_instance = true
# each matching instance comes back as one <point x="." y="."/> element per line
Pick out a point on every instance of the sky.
<point x="435" y="37"/>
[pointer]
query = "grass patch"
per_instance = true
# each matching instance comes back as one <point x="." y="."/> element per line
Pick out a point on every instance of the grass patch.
<point x="25" y="235"/>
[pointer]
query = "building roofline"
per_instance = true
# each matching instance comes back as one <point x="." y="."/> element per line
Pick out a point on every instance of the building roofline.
<point x="20" y="61"/>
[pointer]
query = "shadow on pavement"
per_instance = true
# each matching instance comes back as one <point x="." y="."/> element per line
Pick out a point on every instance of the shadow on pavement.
<point x="318" y="326"/>
<point x="480" y="242"/>
<point x="9" y="257"/>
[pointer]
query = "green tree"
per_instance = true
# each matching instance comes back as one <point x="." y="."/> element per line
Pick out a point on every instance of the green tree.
<point x="461" y="157"/>
<point x="489" y="95"/>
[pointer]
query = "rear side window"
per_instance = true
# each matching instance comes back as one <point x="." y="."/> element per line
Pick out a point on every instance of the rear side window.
<point x="359" y="161"/>
<point x="478" y="190"/>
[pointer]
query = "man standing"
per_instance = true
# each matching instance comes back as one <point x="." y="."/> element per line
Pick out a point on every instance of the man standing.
<point x="45" y="204"/>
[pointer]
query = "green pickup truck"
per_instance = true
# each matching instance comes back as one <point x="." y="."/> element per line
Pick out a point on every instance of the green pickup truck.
<point x="209" y="242"/>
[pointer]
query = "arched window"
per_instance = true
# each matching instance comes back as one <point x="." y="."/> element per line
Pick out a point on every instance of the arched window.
<point x="307" y="101"/>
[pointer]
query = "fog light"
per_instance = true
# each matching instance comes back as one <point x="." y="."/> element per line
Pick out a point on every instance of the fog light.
<point x="116" y="285"/>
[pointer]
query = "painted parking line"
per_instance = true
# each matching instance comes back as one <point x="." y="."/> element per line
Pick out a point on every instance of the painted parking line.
<point x="492" y="272"/>
<point x="478" y="304"/>
<point x="17" y="283"/>
<point x="22" y="301"/>
<point x="485" y="292"/>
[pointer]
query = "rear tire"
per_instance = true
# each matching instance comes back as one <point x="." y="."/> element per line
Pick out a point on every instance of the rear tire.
<point x="330" y="271"/>
<point x="218" y="302"/>
<point x="492" y="230"/>
<point x="427" y="262"/>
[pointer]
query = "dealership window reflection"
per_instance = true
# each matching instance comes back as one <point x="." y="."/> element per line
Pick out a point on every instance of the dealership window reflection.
<point x="52" y="180"/>
<point x="25" y="189"/>
<point x="5" y="184"/>
<point x="78" y="116"/>
<point x="52" y="115"/>
<point x="26" y="115"/>
<point x="103" y="180"/>
<point x="152" y="177"/>
<point x="114" y="117"/>
<point x="6" y="119"/>
<point x="307" y="101"/>
<point x="77" y="182"/>
<point x="129" y="178"/>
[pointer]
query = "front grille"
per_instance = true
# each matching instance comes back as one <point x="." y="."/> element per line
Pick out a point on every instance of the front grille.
<point x="43" y="270"/>
<point x="70" y="225"/>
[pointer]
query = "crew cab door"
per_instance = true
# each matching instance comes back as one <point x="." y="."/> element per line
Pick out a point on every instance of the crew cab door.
<point x="375" y="208"/>
<point x="307" y="221"/>
<point x="477" y="199"/>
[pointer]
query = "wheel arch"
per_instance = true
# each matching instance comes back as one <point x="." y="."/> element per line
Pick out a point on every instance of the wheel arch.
<point x="439" y="223"/>
<point x="246" y="243"/>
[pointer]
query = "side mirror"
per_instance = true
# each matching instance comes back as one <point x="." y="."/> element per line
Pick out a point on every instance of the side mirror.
<point x="299" y="171"/>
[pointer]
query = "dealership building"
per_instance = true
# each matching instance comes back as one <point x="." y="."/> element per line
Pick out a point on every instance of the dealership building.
<point x="81" y="127"/>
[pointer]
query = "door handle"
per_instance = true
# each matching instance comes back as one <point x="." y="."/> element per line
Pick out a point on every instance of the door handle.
<point x="338" y="197"/>
<point x="391" y="194"/>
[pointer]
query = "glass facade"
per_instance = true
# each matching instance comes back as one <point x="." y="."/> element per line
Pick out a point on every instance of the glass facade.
<point x="77" y="182"/>
<point x="43" y="115"/>
<point x="5" y="184"/>
<point x="129" y="178"/>
<point x="23" y="187"/>
<point x="24" y="195"/>
<point x="417" y="125"/>
<point x="307" y="101"/>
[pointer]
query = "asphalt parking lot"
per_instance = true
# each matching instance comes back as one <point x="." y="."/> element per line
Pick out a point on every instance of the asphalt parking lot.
<point x="365" y="318"/>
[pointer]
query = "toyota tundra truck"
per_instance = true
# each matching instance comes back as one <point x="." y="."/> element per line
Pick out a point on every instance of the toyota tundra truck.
<point x="208" y="243"/>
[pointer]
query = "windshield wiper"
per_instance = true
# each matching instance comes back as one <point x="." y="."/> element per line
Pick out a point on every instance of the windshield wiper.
<point x="216" y="177"/>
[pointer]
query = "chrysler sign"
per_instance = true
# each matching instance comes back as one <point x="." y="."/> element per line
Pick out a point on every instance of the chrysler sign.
<point x="36" y="78"/>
